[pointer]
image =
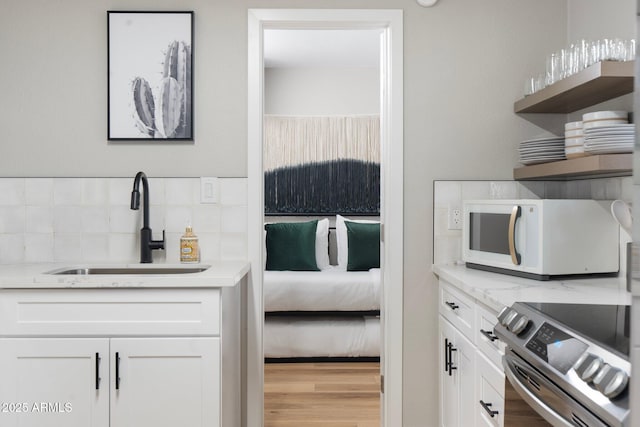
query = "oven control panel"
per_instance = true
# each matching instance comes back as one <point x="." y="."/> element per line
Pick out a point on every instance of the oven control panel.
<point x="556" y="347"/>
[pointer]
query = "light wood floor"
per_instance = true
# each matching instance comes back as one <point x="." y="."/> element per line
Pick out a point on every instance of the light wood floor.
<point x="322" y="394"/>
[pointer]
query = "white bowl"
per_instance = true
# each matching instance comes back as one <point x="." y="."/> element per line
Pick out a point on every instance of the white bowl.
<point x="573" y="133"/>
<point x="574" y="142"/>
<point x="573" y="125"/>
<point x="607" y="122"/>
<point x="605" y="115"/>
<point x="573" y="152"/>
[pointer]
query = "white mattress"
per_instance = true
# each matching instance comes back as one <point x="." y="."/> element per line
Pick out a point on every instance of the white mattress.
<point x="321" y="337"/>
<point x="332" y="289"/>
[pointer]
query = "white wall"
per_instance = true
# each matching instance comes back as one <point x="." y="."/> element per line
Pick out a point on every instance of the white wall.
<point x="322" y="91"/>
<point x="465" y="63"/>
<point x="597" y="19"/>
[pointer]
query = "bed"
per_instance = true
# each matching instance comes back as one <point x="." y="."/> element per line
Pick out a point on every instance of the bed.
<point x="328" y="312"/>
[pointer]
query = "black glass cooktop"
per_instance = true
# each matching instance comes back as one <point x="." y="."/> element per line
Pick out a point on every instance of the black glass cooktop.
<point x="607" y="325"/>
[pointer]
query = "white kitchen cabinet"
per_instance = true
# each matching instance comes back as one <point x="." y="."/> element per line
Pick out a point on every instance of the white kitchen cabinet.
<point x="52" y="382"/>
<point x="165" y="382"/>
<point x="121" y="357"/>
<point x="489" y="410"/>
<point x="474" y="390"/>
<point x="457" y="359"/>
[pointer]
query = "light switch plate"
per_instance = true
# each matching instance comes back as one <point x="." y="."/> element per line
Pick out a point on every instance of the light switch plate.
<point x="208" y="189"/>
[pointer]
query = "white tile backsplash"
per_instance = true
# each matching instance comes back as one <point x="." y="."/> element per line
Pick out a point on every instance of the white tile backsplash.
<point x="39" y="219"/>
<point x="95" y="192"/>
<point x="180" y="191"/>
<point x="67" y="219"/>
<point x="12" y="219"/>
<point x="233" y="246"/>
<point x="233" y="191"/>
<point x="90" y="220"/>
<point x="67" y="247"/>
<point x="234" y="219"/>
<point x="95" y="219"/>
<point x="38" y="247"/>
<point x="178" y="218"/>
<point x="503" y="190"/>
<point x="95" y="247"/>
<point x="12" y="191"/>
<point x="123" y="220"/>
<point x="11" y="248"/>
<point x="120" y="191"/>
<point x="38" y="191"/>
<point x="206" y="217"/>
<point x="67" y="191"/>
<point x="446" y="193"/>
<point x="124" y="247"/>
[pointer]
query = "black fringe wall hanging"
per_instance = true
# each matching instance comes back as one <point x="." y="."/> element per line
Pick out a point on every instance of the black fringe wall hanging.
<point x="322" y="165"/>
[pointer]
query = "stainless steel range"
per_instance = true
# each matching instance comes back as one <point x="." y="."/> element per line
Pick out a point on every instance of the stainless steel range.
<point x="569" y="362"/>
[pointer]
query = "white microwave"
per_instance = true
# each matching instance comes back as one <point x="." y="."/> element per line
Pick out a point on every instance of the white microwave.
<point x="540" y="239"/>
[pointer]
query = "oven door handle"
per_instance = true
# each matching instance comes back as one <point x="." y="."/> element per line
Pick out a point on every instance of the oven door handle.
<point x="515" y="256"/>
<point x="538" y="405"/>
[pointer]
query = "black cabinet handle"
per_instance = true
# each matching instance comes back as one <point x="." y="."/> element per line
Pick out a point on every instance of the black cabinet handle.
<point x="452" y="305"/>
<point x="97" y="371"/>
<point x="489" y="335"/>
<point x="451" y="349"/>
<point x="446" y="353"/>
<point x="117" y="371"/>
<point x="487" y="407"/>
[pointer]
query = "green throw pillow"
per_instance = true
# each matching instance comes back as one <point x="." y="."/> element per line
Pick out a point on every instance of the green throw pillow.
<point x="364" y="246"/>
<point x="291" y="246"/>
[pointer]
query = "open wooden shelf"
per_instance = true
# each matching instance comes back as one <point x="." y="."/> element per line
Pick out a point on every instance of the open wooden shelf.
<point x="598" y="83"/>
<point x="583" y="167"/>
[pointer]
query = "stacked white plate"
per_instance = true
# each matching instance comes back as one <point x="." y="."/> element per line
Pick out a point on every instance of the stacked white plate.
<point x="604" y="118"/>
<point x="573" y="140"/>
<point x="541" y="150"/>
<point x="609" y="139"/>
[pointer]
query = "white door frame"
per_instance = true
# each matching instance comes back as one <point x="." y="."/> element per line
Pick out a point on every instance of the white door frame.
<point x="392" y="197"/>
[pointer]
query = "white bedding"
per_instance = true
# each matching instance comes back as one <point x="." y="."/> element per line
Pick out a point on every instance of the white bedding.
<point x="332" y="289"/>
<point x="322" y="337"/>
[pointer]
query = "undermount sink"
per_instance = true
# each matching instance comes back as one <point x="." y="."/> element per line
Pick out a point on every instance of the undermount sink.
<point x="128" y="270"/>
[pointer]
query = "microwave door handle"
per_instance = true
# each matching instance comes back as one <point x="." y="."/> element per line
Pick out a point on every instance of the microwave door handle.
<point x="515" y="256"/>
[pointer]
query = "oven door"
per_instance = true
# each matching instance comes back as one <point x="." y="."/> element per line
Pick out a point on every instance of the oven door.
<point x="543" y="396"/>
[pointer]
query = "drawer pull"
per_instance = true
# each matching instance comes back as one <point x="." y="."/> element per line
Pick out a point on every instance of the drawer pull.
<point x="117" y="371"/>
<point x="489" y="335"/>
<point x="452" y="305"/>
<point x="487" y="407"/>
<point x="97" y="371"/>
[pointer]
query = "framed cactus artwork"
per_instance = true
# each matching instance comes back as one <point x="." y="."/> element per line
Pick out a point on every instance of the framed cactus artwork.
<point x="150" y="84"/>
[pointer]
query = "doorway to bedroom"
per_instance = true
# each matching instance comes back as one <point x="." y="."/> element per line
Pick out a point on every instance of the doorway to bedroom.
<point x="388" y="24"/>
<point x="321" y="162"/>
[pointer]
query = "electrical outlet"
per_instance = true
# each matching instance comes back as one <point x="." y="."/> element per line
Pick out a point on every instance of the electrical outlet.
<point x="455" y="218"/>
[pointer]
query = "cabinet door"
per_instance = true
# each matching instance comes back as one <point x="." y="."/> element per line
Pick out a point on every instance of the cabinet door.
<point x="54" y="382"/>
<point x="449" y="409"/>
<point x="165" y="382"/>
<point x="489" y="406"/>
<point x="457" y="391"/>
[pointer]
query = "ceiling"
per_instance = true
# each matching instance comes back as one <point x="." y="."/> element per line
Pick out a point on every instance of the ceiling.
<point x="321" y="48"/>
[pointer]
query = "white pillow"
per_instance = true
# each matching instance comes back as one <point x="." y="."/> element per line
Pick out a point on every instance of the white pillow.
<point x="322" y="245"/>
<point x="342" y="241"/>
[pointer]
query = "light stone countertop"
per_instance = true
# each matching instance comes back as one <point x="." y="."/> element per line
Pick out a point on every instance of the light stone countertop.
<point x="34" y="276"/>
<point x="499" y="290"/>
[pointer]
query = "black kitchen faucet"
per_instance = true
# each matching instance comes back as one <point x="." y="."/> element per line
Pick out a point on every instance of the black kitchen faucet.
<point x="147" y="244"/>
